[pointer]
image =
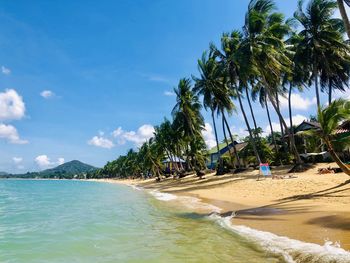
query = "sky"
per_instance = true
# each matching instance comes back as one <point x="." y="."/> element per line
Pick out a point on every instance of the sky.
<point x="88" y="80"/>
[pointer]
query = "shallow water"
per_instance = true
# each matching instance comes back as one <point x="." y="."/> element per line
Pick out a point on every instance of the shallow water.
<point x="73" y="221"/>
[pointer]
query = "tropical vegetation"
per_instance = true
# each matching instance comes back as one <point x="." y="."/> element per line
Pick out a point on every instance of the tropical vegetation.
<point x="266" y="60"/>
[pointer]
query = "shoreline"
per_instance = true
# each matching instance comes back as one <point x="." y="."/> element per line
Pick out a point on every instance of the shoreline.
<point x="311" y="208"/>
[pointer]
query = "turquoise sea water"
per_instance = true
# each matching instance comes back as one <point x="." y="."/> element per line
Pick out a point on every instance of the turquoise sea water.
<point x="73" y="221"/>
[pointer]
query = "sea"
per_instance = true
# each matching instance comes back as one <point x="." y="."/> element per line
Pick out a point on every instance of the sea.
<point x="90" y="222"/>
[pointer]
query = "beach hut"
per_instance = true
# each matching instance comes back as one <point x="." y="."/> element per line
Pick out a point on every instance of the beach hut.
<point x="224" y="150"/>
<point x="173" y="163"/>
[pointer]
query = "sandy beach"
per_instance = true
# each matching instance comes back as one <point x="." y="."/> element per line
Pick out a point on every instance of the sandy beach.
<point x="310" y="207"/>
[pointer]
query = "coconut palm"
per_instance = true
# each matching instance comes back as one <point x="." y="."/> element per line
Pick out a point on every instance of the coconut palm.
<point x="264" y="33"/>
<point x="188" y="119"/>
<point x="212" y="85"/>
<point x="239" y="71"/>
<point x="320" y="35"/>
<point x="329" y="119"/>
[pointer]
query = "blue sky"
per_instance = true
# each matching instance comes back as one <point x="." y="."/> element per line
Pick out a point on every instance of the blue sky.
<point x="87" y="80"/>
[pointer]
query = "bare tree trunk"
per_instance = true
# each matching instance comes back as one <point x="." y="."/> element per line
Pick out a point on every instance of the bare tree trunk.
<point x="234" y="146"/>
<point x="271" y="128"/>
<point x="329" y="92"/>
<point x="227" y="144"/>
<point x="217" y="141"/>
<point x="250" y="107"/>
<point x="248" y="127"/>
<point x="293" y="147"/>
<point x="344" y="16"/>
<point x="291" y="130"/>
<point x="316" y="88"/>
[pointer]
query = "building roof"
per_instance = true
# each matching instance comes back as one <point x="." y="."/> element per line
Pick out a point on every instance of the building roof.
<point x="307" y="125"/>
<point x="223" y="147"/>
<point x="343" y="128"/>
<point x="176" y="160"/>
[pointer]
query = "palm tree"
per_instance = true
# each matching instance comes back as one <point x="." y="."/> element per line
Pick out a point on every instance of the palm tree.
<point x="329" y="118"/>
<point x="212" y="85"/>
<point x="344" y="15"/>
<point x="238" y="69"/>
<point x="320" y="35"/>
<point x="263" y="43"/>
<point x="188" y="119"/>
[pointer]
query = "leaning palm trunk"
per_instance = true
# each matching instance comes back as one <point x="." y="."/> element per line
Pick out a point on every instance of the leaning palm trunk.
<point x="344" y="16"/>
<point x="251" y="108"/>
<point x="216" y="138"/>
<point x="272" y="132"/>
<point x="329" y="92"/>
<point x="291" y="130"/>
<point x="292" y="146"/>
<point x="234" y="146"/>
<point x="251" y="138"/>
<point x="336" y="158"/>
<point x="226" y="141"/>
<point x="316" y="88"/>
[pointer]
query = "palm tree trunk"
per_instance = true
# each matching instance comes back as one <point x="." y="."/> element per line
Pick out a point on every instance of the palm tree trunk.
<point x="251" y="109"/>
<point x="336" y="158"/>
<point x="344" y="16"/>
<point x="293" y="147"/>
<point x="215" y="131"/>
<point x="271" y="128"/>
<point x="281" y="125"/>
<point x="226" y="141"/>
<point x="291" y="130"/>
<point x="329" y="92"/>
<point x="252" y="141"/>
<point x="316" y="88"/>
<point x="234" y="146"/>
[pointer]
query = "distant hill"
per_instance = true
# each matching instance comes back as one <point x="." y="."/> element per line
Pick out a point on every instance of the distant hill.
<point x="67" y="170"/>
<point x="72" y="167"/>
<point x="3" y="173"/>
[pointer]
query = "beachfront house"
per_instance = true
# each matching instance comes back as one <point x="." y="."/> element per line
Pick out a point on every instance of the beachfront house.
<point x="224" y="150"/>
<point x="173" y="164"/>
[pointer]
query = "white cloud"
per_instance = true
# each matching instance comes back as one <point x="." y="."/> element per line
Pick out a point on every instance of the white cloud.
<point x="17" y="160"/>
<point x="297" y="119"/>
<point x="43" y="161"/>
<point x="10" y="133"/>
<point x="169" y="93"/>
<point x="240" y="132"/>
<point x="46" y="94"/>
<point x="298" y="102"/>
<point x="5" y="70"/>
<point x="209" y="136"/>
<point x="144" y="133"/>
<point x="102" y="142"/>
<point x="11" y="105"/>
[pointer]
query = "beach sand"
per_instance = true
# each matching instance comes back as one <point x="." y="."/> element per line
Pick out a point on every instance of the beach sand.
<point x="311" y="207"/>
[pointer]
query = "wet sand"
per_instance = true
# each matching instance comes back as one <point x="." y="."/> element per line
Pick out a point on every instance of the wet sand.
<point x="310" y="207"/>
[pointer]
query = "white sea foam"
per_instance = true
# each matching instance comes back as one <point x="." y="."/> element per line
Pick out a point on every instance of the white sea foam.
<point x="163" y="196"/>
<point x="291" y="250"/>
<point x="138" y="188"/>
<point x="188" y="201"/>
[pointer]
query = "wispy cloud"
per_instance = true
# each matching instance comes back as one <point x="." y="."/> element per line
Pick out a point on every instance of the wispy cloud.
<point x="5" y="70"/>
<point x="46" y="94"/>
<point x="157" y="78"/>
<point x="169" y="93"/>
<point x="100" y="141"/>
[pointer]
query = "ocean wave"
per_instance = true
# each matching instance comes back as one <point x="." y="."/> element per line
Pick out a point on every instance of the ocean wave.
<point x="290" y="249"/>
<point x="187" y="201"/>
<point x="163" y="196"/>
<point x="138" y="188"/>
